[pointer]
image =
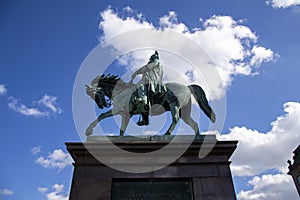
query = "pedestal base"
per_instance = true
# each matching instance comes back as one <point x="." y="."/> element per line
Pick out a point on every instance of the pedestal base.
<point x="188" y="177"/>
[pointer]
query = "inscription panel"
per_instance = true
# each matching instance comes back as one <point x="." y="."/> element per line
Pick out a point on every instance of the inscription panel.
<point x="152" y="189"/>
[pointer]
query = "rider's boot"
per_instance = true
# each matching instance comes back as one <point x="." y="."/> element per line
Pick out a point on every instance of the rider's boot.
<point x="145" y="120"/>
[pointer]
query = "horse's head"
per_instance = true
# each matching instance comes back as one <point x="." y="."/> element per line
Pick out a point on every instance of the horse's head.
<point x="98" y="95"/>
<point x="105" y="85"/>
<point x="102" y="86"/>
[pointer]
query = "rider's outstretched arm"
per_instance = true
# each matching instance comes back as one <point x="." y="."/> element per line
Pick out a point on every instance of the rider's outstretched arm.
<point x="142" y="70"/>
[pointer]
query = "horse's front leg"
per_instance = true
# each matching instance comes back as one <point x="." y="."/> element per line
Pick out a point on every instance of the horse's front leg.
<point x="125" y="121"/>
<point x="89" y="130"/>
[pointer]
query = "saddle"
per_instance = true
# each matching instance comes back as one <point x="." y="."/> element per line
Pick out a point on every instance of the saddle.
<point x="141" y="104"/>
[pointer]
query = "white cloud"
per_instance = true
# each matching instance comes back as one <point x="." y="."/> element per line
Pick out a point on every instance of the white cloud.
<point x="231" y="45"/>
<point x="260" y="55"/>
<point x="36" y="150"/>
<point x="57" y="159"/>
<point x="128" y="9"/>
<point x="275" y="187"/>
<point x="45" y="107"/>
<point x="258" y="152"/>
<point x="170" y="21"/>
<point x="56" y="194"/>
<point x="112" y="25"/>
<point x="6" y="192"/>
<point x="42" y="190"/>
<point x="50" y="102"/>
<point x="3" y="89"/>
<point x="283" y="3"/>
<point x="21" y="108"/>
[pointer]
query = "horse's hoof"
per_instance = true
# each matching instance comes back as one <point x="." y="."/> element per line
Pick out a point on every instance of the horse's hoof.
<point x="88" y="132"/>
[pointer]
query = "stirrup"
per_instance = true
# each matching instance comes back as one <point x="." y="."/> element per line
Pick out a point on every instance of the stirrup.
<point x="142" y="123"/>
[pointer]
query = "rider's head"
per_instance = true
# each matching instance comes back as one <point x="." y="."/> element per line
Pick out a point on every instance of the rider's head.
<point x="154" y="56"/>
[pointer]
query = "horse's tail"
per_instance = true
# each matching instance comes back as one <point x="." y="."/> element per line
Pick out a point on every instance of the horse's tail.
<point x="200" y="96"/>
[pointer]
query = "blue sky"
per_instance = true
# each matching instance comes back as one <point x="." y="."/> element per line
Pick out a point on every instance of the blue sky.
<point x="43" y="44"/>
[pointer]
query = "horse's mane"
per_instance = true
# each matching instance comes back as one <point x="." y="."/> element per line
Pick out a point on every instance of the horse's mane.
<point x="110" y="79"/>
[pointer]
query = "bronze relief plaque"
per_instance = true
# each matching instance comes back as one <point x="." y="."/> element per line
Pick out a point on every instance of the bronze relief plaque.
<point x="152" y="189"/>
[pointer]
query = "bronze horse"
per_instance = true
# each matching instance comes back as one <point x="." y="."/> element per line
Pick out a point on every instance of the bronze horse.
<point x="177" y="100"/>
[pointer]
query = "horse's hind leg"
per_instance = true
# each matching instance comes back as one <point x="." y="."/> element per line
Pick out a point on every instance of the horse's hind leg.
<point x="186" y="117"/>
<point x="89" y="130"/>
<point x="193" y="124"/>
<point x="175" y="118"/>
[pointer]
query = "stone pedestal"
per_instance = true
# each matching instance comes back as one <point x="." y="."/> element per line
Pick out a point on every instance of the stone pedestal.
<point x="189" y="176"/>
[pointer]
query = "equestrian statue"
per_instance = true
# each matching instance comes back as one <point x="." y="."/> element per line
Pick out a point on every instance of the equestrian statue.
<point x="130" y="99"/>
